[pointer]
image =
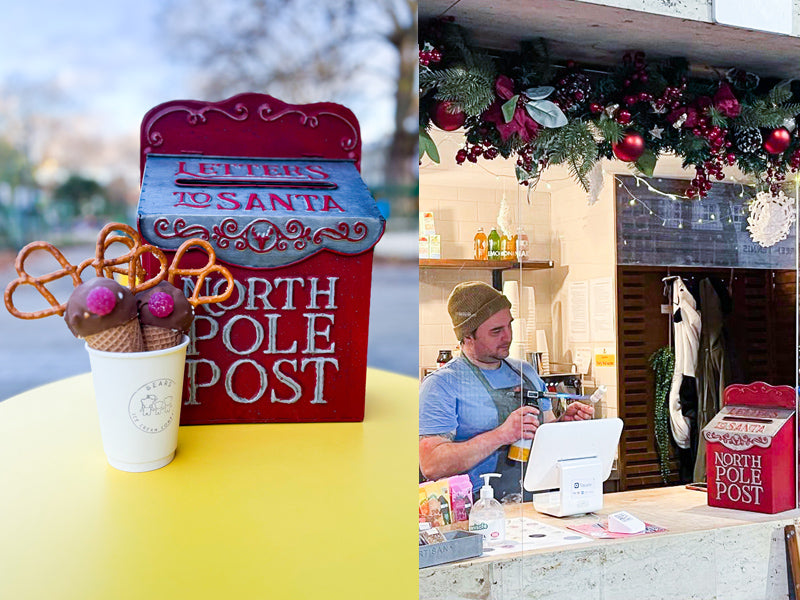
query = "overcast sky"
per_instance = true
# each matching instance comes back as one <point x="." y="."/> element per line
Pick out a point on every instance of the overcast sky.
<point x="107" y="62"/>
<point x="105" y="56"/>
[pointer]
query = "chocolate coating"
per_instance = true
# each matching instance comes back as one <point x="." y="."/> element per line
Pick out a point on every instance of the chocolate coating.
<point x="82" y="322"/>
<point x="182" y="313"/>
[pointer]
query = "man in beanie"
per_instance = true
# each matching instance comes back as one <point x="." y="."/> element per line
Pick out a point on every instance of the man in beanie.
<point x="471" y="409"/>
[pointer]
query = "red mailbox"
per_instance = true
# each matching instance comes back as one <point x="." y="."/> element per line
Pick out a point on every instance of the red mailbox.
<point x="275" y="188"/>
<point x="751" y="449"/>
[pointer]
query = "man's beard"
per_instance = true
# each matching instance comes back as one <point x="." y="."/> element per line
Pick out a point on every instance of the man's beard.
<point x="502" y="353"/>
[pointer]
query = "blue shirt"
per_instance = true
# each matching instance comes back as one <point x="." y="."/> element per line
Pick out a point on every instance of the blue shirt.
<point x="452" y="400"/>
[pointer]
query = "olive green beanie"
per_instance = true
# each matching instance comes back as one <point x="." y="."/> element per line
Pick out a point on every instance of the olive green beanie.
<point x="471" y="303"/>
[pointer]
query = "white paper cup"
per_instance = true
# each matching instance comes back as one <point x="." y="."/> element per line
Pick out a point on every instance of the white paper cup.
<point x="139" y="402"/>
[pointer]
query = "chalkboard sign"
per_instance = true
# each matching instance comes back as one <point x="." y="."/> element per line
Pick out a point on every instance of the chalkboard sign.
<point x="654" y="229"/>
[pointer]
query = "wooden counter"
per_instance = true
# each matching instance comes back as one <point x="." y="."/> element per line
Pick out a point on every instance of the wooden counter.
<point x="706" y="554"/>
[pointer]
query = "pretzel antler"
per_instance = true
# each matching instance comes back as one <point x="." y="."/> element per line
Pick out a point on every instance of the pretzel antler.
<point x="201" y="273"/>
<point x="68" y="269"/>
<point x="130" y="263"/>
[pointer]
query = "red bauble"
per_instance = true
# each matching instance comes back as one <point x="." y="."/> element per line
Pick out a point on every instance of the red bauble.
<point x="444" y="117"/>
<point x="777" y="140"/>
<point x="630" y="148"/>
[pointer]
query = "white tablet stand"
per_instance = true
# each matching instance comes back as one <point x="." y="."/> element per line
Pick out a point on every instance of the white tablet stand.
<point x="568" y="464"/>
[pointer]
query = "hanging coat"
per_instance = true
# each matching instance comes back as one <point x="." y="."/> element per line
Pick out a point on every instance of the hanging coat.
<point x="713" y="369"/>
<point x="686" y="333"/>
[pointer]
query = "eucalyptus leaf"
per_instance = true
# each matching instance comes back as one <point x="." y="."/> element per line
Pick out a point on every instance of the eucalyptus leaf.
<point x="539" y="93"/>
<point x="647" y="163"/>
<point x="546" y="113"/>
<point x="522" y="174"/>
<point x="427" y="146"/>
<point x="509" y="108"/>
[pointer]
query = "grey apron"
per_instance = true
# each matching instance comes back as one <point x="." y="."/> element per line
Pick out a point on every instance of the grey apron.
<point x="506" y="400"/>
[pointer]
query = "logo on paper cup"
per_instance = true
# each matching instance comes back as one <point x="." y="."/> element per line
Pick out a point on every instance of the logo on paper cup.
<point x="150" y="407"/>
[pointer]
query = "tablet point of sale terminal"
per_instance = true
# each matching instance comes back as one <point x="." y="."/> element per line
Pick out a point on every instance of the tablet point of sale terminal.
<point x="568" y="463"/>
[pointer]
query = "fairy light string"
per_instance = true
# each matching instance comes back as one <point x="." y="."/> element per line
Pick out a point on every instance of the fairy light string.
<point x="666" y="219"/>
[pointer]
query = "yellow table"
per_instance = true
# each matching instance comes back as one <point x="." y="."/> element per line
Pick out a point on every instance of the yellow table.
<point x="274" y="511"/>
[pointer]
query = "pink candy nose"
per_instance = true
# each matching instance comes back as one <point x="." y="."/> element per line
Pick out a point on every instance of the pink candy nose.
<point x="101" y="301"/>
<point x="161" y="304"/>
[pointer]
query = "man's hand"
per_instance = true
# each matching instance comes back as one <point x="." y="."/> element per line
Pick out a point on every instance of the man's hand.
<point x="522" y="423"/>
<point x="578" y="411"/>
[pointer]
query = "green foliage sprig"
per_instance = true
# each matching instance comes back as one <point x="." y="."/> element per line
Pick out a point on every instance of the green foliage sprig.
<point x="662" y="362"/>
<point x="671" y="111"/>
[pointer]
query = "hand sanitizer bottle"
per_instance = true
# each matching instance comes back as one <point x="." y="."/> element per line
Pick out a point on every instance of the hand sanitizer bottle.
<point x="487" y="517"/>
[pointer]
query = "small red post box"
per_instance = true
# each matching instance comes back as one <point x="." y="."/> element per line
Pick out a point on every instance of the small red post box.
<point x="751" y="452"/>
<point x="275" y="188"/>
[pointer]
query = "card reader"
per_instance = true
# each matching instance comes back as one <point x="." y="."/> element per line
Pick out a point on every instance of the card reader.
<point x="624" y="522"/>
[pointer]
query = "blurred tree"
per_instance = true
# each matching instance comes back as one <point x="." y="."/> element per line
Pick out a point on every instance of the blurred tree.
<point x="26" y="113"/>
<point x="355" y="52"/>
<point x="14" y="166"/>
<point x="80" y="196"/>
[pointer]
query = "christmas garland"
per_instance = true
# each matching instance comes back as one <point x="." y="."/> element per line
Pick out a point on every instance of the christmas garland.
<point x="662" y="362"/>
<point x="521" y="105"/>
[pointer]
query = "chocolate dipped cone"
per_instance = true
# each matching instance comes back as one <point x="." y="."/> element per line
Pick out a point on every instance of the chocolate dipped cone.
<point x="165" y="315"/>
<point x="103" y="313"/>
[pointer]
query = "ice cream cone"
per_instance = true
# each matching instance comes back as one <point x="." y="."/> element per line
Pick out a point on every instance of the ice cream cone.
<point x="160" y="338"/>
<point x="165" y="314"/>
<point x="122" y="338"/>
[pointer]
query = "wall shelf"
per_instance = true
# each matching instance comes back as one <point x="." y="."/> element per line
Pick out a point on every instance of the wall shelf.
<point x="495" y="266"/>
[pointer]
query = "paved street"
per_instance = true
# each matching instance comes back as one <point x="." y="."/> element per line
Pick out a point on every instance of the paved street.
<point x="39" y="351"/>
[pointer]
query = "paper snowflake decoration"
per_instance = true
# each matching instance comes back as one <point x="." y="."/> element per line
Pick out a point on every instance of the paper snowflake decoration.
<point x="595" y="183"/>
<point x="770" y="218"/>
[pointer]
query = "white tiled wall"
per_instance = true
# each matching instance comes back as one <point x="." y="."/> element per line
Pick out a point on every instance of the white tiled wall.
<point x="561" y="226"/>
<point x="458" y="212"/>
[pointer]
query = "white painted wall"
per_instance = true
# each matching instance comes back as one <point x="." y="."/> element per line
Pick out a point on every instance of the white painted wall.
<point x="561" y="225"/>
<point x="584" y="240"/>
<point x="459" y="208"/>
<point x="579" y="238"/>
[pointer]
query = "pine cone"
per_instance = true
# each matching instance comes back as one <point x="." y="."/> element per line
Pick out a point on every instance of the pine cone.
<point x="748" y="140"/>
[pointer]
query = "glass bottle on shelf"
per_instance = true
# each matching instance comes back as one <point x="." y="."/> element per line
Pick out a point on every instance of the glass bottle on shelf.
<point x="504" y="247"/>
<point x="494" y="245"/>
<point x="512" y="247"/>
<point x="523" y="245"/>
<point x="480" y="243"/>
